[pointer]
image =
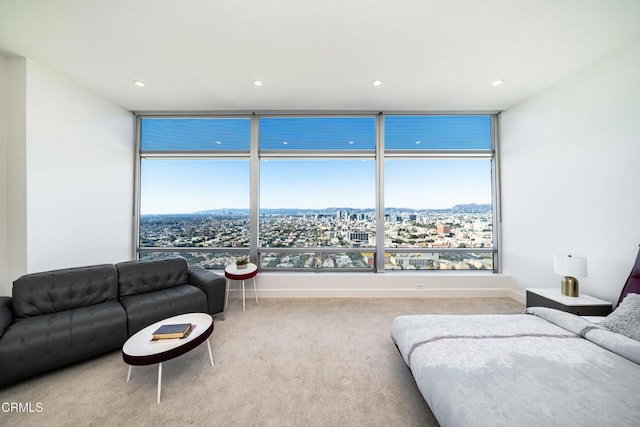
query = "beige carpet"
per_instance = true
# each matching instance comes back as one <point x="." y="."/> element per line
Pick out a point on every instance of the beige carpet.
<point x="284" y="362"/>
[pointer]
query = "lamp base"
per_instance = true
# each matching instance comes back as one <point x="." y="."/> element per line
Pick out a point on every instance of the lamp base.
<point x="569" y="286"/>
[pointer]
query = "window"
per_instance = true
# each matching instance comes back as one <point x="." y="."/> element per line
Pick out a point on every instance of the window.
<point x="196" y="206"/>
<point x="325" y="134"/>
<point x="178" y="134"/>
<point x="317" y="192"/>
<point x="312" y="193"/>
<point x="438" y="193"/>
<point x="430" y="133"/>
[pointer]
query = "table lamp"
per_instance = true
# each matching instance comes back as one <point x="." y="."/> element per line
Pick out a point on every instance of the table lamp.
<point x="569" y="266"/>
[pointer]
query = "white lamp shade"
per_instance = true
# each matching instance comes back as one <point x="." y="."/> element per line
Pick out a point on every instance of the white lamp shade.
<point x="570" y="265"/>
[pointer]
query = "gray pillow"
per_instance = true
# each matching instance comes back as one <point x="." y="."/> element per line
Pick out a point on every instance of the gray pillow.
<point x="625" y="319"/>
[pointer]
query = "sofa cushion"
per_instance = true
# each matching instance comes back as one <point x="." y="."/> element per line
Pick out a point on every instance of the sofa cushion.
<point x="59" y="290"/>
<point x="143" y="310"/>
<point x="140" y="277"/>
<point x="37" y="344"/>
<point x="6" y="314"/>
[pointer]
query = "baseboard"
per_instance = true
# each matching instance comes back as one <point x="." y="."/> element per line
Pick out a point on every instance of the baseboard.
<point x="386" y="293"/>
<point x="518" y="296"/>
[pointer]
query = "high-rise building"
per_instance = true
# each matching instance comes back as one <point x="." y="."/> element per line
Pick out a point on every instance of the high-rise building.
<point x="357" y="238"/>
<point x="443" y="229"/>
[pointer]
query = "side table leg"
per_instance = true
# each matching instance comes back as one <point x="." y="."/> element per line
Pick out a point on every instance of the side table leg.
<point x="129" y="374"/>
<point x="159" y="381"/>
<point x="243" y="309"/>
<point x="255" y="290"/>
<point x="226" y="297"/>
<point x="210" y="355"/>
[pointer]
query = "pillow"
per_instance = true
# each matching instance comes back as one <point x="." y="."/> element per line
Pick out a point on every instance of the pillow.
<point x="625" y="319"/>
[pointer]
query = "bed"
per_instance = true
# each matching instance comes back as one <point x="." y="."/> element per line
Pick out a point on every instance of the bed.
<point x="541" y="368"/>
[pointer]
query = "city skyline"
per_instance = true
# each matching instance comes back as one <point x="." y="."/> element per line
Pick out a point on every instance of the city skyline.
<point x="332" y="229"/>
<point x="328" y="209"/>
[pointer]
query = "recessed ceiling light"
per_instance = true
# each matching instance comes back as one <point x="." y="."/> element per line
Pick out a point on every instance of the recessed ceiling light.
<point x="497" y="82"/>
<point x="138" y="83"/>
<point x="377" y="82"/>
<point x="257" y="83"/>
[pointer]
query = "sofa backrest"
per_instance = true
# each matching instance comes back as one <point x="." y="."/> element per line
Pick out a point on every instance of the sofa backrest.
<point x="140" y="277"/>
<point x="58" y="290"/>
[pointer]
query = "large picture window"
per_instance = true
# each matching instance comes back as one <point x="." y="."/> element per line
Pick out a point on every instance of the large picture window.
<point x="319" y="193"/>
<point x="194" y="180"/>
<point x="320" y="203"/>
<point x="438" y="193"/>
<point x="445" y="204"/>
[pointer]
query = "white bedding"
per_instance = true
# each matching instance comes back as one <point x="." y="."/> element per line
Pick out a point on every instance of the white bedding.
<point x="542" y="368"/>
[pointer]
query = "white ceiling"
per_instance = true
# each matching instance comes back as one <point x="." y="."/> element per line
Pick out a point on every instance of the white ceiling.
<point x="432" y="55"/>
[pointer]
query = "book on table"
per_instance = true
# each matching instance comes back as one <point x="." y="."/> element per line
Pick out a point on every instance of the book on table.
<point x="179" y="330"/>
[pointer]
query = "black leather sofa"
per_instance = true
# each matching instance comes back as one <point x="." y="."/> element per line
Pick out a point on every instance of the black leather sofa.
<point x="59" y="317"/>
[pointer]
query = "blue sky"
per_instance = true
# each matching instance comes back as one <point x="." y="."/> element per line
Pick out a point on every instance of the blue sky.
<point x="183" y="186"/>
<point x="317" y="183"/>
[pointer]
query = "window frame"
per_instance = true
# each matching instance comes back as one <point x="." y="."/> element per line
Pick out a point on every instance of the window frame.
<point x="378" y="154"/>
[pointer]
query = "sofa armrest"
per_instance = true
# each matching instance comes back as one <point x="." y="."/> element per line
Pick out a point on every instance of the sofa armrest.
<point x="212" y="284"/>
<point x="6" y="314"/>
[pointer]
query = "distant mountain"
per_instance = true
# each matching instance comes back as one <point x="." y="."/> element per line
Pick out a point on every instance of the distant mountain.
<point x="465" y="208"/>
<point x="231" y="211"/>
<point x="470" y="208"/>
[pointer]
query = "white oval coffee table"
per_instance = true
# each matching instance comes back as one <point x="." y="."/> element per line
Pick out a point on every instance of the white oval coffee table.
<point x="140" y="349"/>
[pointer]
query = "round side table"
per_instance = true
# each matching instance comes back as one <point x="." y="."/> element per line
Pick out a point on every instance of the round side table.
<point x="232" y="272"/>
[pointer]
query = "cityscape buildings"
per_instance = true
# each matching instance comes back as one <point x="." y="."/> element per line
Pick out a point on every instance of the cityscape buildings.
<point x="324" y="230"/>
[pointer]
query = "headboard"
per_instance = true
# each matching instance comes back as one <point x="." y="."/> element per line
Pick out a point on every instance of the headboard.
<point x="632" y="285"/>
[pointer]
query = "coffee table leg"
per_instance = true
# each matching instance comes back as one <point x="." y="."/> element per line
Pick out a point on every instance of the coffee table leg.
<point x="159" y="380"/>
<point x="210" y="355"/>
<point x="129" y="373"/>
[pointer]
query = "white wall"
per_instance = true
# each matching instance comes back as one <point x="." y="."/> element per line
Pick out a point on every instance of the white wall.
<point x="571" y="177"/>
<point x="14" y="188"/>
<point x="4" y="275"/>
<point x="80" y="157"/>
